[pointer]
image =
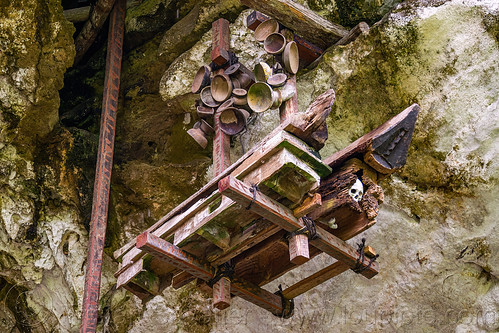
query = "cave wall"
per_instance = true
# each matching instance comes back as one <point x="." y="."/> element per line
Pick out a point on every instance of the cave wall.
<point x="436" y="232"/>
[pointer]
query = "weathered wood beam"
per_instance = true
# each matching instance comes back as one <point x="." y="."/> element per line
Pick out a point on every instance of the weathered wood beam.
<point x="284" y="218"/>
<point x="315" y="279"/>
<point x="302" y="20"/>
<point x="92" y="28"/>
<point x="309" y="204"/>
<point x="175" y="256"/>
<point x="290" y="107"/>
<point x="385" y="148"/>
<point x="304" y="125"/>
<point x="181" y="279"/>
<point x="74" y="15"/>
<point x="360" y="29"/>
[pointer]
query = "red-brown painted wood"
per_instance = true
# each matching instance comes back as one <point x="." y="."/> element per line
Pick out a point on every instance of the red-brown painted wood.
<point x="104" y="167"/>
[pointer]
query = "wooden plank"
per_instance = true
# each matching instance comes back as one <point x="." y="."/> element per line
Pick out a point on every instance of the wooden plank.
<point x="240" y="243"/>
<point x="315" y="279"/>
<point x="384" y="148"/>
<point x="309" y="204"/>
<point x="181" y="279"/>
<point x="302" y="20"/>
<point x="199" y="220"/>
<point x="185" y="261"/>
<point x="284" y="218"/>
<point x="129" y="273"/>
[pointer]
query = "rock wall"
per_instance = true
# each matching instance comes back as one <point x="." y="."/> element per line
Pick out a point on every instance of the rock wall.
<point x="436" y="231"/>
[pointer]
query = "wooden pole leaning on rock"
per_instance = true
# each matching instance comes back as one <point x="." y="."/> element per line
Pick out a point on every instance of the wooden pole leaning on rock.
<point x="104" y="167"/>
<point x="221" y="142"/>
<point x="91" y="28"/>
<point x="80" y="14"/>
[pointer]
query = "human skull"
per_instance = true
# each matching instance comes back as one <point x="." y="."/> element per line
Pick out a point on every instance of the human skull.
<point x="357" y="190"/>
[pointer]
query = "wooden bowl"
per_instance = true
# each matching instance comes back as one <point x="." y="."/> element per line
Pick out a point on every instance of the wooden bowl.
<point x="262" y="72"/>
<point x="260" y="97"/>
<point x="274" y="43"/>
<point x="277" y="80"/>
<point x="207" y="98"/>
<point x="201" y="79"/>
<point x="221" y="87"/>
<point x="291" y="57"/>
<point x="266" y="28"/>
<point x="233" y="120"/>
<point x="198" y="135"/>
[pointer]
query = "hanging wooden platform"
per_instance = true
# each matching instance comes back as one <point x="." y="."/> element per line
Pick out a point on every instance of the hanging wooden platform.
<point x="232" y="220"/>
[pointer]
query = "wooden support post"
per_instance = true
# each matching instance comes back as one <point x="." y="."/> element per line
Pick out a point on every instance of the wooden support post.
<point x="298" y="249"/>
<point x="289" y="107"/>
<point x="315" y="279"/>
<point x="100" y="203"/>
<point x="221" y="294"/>
<point x="179" y="258"/>
<point x="221" y="142"/>
<point x="283" y="217"/>
<point x="221" y="41"/>
<point x="310" y="126"/>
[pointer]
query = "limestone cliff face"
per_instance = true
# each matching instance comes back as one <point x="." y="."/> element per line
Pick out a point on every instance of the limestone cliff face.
<point x="436" y="231"/>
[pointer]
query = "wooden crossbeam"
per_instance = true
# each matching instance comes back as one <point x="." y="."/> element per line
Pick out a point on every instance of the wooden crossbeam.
<point x="302" y="20"/>
<point x="284" y="218"/>
<point x="181" y="259"/>
<point x="315" y="279"/>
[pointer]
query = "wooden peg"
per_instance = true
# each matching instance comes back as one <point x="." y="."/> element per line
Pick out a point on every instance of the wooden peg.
<point x="298" y="249"/>
<point x="308" y="205"/>
<point x="221" y="294"/>
<point x="369" y="252"/>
